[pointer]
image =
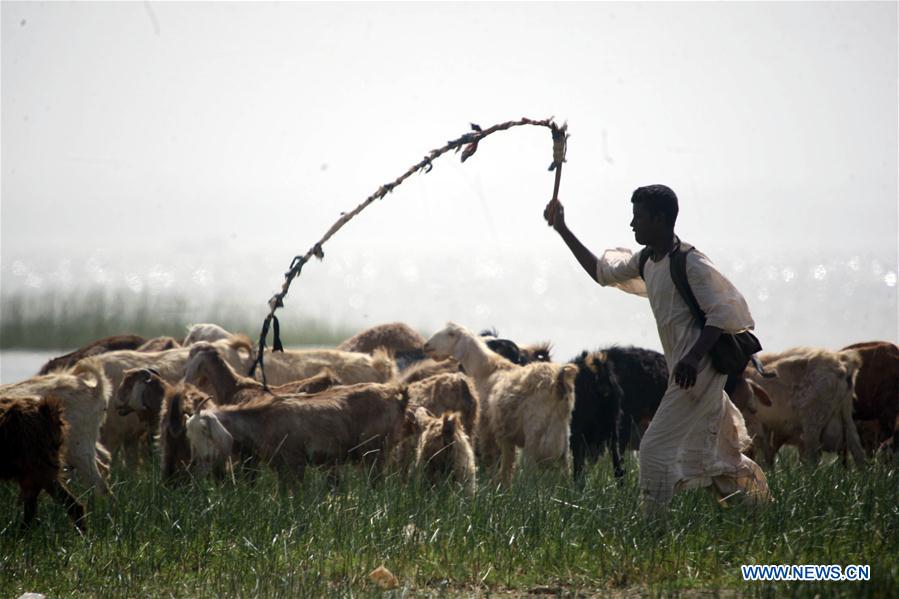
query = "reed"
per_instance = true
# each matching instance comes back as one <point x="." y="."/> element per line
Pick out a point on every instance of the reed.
<point x="60" y="320"/>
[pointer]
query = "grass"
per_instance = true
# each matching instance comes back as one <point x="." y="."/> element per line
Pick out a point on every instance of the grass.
<point x="72" y="319"/>
<point x="544" y="535"/>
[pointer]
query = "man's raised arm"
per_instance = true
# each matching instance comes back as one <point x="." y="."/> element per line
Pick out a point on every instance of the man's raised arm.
<point x="554" y="213"/>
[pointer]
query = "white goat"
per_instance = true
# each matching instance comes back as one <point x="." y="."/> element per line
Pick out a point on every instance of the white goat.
<point x="204" y="332"/>
<point x="84" y="392"/>
<point x="808" y="403"/>
<point x="521" y="406"/>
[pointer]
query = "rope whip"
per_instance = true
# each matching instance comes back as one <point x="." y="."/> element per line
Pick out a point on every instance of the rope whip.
<point x="468" y="144"/>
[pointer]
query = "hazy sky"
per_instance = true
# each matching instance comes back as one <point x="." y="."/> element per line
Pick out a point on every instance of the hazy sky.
<point x="224" y="128"/>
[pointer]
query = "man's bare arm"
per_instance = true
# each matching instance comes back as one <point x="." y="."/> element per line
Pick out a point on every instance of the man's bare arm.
<point x="555" y="217"/>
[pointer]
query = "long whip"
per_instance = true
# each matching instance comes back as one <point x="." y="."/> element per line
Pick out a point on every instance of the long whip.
<point x="468" y="144"/>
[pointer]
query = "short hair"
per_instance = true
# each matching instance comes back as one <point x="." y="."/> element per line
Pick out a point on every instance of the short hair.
<point x="657" y="198"/>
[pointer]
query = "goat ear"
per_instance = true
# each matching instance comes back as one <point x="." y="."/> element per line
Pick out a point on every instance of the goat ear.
<point x="410" y="423"/>
<point x="449" y="425"/>
<point x="175" y="415"/>
<point x="404" y="396"/>
<point x="760" y="394"/>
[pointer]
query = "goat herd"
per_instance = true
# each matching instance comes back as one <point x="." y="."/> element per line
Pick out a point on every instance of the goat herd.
<point x="390" y="399"/>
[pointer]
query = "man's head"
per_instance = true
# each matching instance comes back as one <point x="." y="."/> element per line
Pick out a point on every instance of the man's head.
<point x="655" y="212"/>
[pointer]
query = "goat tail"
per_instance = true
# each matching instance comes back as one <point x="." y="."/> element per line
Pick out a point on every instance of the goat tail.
<point x="91" y="367"/>
<point x="563" y="387"/>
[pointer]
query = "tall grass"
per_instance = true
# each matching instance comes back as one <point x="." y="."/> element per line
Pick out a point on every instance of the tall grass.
<point x="58" y="320"/>
<point x="542" y="535"/>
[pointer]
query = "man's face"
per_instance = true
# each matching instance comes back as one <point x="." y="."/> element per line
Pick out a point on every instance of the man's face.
<point x="645" y="226"/>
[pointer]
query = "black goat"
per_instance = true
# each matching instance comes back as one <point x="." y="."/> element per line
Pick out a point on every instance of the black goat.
<point x="596" y="418"/>
<point x="615" y="389"/>
<point x="643" y="377"/>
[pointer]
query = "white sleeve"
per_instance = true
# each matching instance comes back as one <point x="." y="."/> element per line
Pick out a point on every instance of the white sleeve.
<point x="621" y="268"/>
<point x="723" y="304"/>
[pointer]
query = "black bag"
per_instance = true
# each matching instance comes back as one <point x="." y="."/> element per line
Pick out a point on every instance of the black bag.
<point x="732" y="352"/>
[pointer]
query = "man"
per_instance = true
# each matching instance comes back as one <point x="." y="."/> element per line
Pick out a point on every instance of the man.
<point x="697" y="435"/>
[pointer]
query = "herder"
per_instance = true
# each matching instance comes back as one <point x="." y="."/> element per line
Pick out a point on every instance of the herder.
<point x="697" y="435"/>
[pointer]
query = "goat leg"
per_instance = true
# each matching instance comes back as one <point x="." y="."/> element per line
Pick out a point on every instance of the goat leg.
<point x="29" y="495"/>
<point x="616" y="455"/>
<point x="64" y="497"/>
<point x="578" y="450"/>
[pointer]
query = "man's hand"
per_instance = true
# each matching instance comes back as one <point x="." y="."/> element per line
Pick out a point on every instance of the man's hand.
<point x="685" y="371"/>
<point x="554" y="213"/>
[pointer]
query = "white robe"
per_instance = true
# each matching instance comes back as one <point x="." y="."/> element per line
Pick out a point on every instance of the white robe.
<point x="697" y="435"/>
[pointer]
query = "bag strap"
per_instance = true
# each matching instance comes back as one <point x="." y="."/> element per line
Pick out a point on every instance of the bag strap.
<point x="644" y="256"/>
<point x="678" y="267"/>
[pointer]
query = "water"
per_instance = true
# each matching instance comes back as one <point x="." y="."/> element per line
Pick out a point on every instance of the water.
<point x="18" y="365"/>
<point x="828" y="300"/>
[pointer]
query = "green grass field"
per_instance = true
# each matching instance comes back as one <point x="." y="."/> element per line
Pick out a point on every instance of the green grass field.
<point x="544" y="535"/>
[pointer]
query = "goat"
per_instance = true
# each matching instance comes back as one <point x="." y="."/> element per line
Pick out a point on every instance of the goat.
<point x="536" y="352"/>
<point x="206" y="364"/>
<point x="350" y="367"/>
<point x="444" y="450"/>
<point x="642" y="375"/>
<point x="808" y="403"/>
<point x="84" y="392"/>
<point x="125" y="432"/>
<point x="444" y="392"/>
<point x="101" y="346"/>
<point x="427" y="368"/>
<point x="447" y="392"/>
<point x="351" y="423"/>
<point x="144" y="392"/>
<point x="159" y="344"/>
<point x="877" y="392"/>
<point x="180" y="402"/>
<point x="515" y="353"/>
<point x="596" y="418"/>
<point x="32" y="437"/>
<point x="521" y="406"/>
<point x="204" y="332"/>
<point x="396" y="337"/>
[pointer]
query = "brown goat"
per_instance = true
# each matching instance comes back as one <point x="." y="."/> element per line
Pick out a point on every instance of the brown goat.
<point x="181" y="401"/>
<point x="428" y="368"/>
<point x="206" y="367"/>
<point x="447" y="392"/>
<point x="32" y="435"/>
<point x="101" y="346"/>
<point x="877" y="392"/>
<point x="159" y="344"/>
<point x="394" y="337"/>
<point x="444" y="450"/>
<point x="353" y="423"/>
